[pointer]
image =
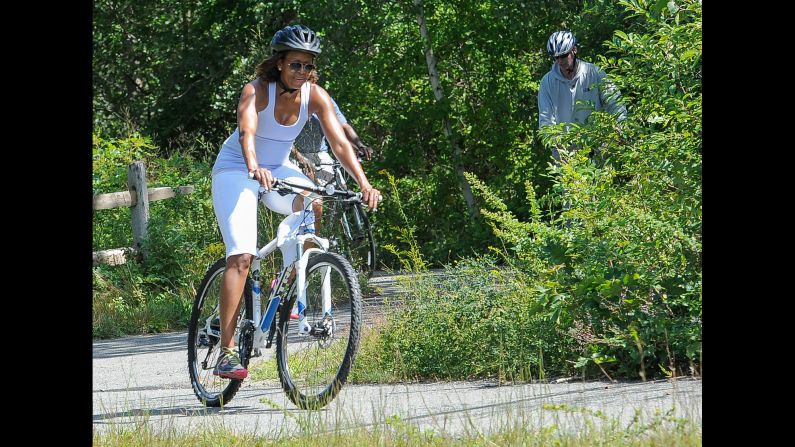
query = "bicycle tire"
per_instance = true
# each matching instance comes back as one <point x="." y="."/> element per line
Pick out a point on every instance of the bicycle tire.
<point x="214" y="391"/>
<point x="351" y="235"/>
<point x="303" y="358"/>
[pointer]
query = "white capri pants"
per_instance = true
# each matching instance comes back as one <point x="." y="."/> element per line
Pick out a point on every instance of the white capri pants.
<point x="235" y="205"/>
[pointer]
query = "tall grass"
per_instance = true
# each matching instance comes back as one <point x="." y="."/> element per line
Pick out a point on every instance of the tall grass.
<point x="559" y="425"/>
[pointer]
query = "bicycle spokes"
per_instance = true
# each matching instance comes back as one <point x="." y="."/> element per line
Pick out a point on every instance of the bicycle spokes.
<point x="317" y="362"/>
<point x="204" y="339"/>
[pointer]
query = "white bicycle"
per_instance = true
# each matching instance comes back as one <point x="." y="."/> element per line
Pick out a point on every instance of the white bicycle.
<point x="314" y="354"/>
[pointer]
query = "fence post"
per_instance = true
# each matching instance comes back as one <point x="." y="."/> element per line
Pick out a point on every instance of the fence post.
<point x="136" y="182"/>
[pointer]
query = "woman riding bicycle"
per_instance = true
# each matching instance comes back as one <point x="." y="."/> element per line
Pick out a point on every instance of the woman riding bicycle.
<point x="272" y="110"/>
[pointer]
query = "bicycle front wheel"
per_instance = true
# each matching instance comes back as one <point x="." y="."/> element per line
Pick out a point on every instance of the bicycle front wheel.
<point x="313" y="367"/>
<point x="350" y="235"/>
<point x="204" y="339"/>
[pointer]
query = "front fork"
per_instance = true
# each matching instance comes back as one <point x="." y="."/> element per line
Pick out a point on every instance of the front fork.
<point x="325" y="290"/>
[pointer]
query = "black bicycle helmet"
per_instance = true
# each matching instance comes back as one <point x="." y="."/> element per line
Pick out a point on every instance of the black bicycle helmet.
<point x="295" y="38"/>
<point x="560" y="42"/>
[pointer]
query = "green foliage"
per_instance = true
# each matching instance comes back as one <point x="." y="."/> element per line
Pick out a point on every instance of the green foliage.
<point x="615" y="273"/>
<point x="607" y="283"/>
<point x="183" y="239"/>
<point x="411" y="259"/>
<point x="110" y="160"/>
<point x="474" y="320"/>
<point x="619" y="267"/>
<point x="175" y="69"/>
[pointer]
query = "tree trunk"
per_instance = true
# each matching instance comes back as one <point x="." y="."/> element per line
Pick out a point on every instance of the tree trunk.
<point x="448" y="130"/>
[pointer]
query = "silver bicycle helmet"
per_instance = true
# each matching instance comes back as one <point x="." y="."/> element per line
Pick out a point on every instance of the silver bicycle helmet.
<point x="560" y="42"/>
<point x="295" y="38"/>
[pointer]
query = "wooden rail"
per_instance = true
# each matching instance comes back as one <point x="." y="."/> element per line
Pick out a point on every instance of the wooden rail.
<point x="136" y="181"/>
<point x="127" y="198"/>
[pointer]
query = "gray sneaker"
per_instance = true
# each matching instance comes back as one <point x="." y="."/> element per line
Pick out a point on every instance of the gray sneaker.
<point x="229" y="365"/>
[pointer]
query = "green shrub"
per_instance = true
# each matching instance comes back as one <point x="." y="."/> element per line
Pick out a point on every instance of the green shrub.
<point x="183" y="239"/>
<point x="474" y="320"/>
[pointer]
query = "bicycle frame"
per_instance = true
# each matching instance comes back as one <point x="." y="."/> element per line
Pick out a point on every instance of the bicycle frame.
<point x="339" y="177"/>
<point x="263" y="322"/>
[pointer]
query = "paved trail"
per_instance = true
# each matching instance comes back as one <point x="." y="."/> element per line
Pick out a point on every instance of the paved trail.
<point x="144" y="379"/>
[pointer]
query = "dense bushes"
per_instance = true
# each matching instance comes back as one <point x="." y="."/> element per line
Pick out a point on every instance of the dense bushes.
<point x="182" y="240"/>
<point x="474" y="320"/>
<point x="610" y="283"/>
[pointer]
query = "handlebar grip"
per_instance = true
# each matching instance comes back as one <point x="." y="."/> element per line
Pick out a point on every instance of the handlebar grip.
<point x="276" y="182"/>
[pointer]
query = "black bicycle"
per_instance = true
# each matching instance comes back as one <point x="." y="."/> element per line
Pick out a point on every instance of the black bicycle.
<point x="347" y="226"/>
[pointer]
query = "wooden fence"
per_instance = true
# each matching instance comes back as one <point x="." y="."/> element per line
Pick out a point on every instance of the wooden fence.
<point x="136" y="181"/>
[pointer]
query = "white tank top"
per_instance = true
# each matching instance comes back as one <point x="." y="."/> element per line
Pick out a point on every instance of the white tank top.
<point x="272" y="140"/>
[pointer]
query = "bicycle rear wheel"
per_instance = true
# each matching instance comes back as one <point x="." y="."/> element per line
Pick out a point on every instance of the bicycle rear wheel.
<point x="204" y="338"/>
<point x="350" y="234"/>
<point x="314" y="367"/>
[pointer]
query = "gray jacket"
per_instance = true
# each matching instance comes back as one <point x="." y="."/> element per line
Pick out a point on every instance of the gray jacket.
<point x="557" y="96"/>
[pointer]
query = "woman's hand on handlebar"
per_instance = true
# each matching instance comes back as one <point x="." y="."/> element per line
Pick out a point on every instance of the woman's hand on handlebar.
<point x="263" y="176"/>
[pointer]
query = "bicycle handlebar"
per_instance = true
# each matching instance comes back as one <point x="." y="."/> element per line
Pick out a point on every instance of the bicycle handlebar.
<point x="333" y="163"/>
<point x="328" y="191"/>
<point x="284" y="187"/>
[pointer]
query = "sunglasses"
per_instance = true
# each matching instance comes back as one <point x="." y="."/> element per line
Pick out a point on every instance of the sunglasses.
<point x="295" y="66"/>
<point x="563" y="56"/>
